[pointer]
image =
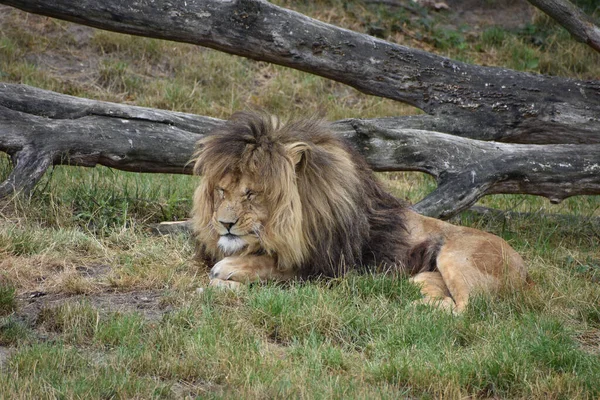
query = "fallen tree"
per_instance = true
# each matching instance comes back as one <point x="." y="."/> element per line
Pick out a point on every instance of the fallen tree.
<point x="466" y="100"/>
<point x="42" y="128"/>
<point x="551" y="125"/>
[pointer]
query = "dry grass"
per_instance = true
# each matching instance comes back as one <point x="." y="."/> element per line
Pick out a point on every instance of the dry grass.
<point x="92" y="305"/>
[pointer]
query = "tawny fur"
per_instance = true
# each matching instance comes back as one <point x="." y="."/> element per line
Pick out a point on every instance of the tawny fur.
<point x="279" y="201"/>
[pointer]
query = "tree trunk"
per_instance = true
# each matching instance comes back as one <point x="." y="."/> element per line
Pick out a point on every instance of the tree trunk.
<point x="39" y="128"/>
<point x="465" y="100"/>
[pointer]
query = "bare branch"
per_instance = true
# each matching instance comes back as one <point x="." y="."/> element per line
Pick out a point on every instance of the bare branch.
<point x="572" y="19"/>
<point x="30" y="166"/>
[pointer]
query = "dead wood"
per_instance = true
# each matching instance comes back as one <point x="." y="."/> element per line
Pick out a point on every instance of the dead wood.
<point x="466" y="100"/>
<point x="40" y="128"/>
<point x="572" y="19"/>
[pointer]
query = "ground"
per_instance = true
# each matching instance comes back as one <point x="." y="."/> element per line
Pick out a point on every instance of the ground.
<point x="80" y="65"/>
<point x="87" y="291"/>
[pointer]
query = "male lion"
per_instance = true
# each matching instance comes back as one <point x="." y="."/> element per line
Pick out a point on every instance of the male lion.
<point x="280" y="201"/>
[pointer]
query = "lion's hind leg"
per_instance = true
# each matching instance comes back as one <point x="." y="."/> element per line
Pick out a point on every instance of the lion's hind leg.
<point x="434" y="290"/>
<point x="478" y="264"/>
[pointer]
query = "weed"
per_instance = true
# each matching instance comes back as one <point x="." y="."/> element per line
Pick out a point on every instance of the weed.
<point x="524" y="58"/>
<point x="14" y="332"/>
<point x="116" y="77"/>
<point x="133" y="47"/>
<point x="8" y="49"/>
<point x="494" y="36"/>
<point x="7" y="299"/>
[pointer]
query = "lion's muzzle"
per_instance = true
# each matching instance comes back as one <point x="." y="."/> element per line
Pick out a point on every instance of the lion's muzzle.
<point x="231" y="244"/>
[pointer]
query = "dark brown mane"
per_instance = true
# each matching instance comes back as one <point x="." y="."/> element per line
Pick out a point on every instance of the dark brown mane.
<point x="348" y="221"/>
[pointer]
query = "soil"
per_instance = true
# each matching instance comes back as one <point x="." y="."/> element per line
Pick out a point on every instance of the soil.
<point x="75" y="64"/>
<point x="4" y="355"/>
<point x="144" y="302"/>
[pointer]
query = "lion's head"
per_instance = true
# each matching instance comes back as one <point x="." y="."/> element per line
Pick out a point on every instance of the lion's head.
<point x="293" y="191"/>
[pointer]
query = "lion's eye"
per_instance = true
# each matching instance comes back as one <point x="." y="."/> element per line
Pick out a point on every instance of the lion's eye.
<point x="221" y="192"/>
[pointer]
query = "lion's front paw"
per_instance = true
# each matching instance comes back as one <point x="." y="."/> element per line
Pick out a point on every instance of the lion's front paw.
<point x="247" y="269"/>
<point x="226" y="269"/>
<point x="220" y="283"/>
<point x="237" y="269"/>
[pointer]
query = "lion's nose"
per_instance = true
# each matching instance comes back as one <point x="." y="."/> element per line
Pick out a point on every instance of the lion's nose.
<point x="228" y="224"/>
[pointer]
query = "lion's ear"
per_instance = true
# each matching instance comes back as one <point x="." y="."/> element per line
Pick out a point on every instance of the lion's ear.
<point x="296" y="151"/>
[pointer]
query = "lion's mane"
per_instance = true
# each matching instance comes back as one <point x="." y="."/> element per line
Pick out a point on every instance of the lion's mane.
<point x="328" y="213"/>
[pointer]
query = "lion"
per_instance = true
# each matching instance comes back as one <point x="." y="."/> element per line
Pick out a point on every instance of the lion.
<point x="291" y="201"/>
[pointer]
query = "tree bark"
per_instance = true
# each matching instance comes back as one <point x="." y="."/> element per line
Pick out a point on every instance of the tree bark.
<point x="471" y="101"/>
<point x="467" y="169"/>
<point x="572" y="19"/>
<point x="39" y="128"/>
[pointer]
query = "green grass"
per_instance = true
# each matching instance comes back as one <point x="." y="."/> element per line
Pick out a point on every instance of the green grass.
<point x="7" y="299"/>
<point x="83" y="237"/>
<point x="358" y="337"/>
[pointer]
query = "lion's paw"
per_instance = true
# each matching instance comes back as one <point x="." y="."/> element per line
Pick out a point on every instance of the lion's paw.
<point x="246" y="269"/>
<point x="223" y="284"/>
<point x="237" y="269"/>
<point x="226" y="269"/>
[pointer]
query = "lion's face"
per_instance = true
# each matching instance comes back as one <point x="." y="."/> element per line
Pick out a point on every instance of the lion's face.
<point x="240" y="214"/>
<point x="273" y="190"/>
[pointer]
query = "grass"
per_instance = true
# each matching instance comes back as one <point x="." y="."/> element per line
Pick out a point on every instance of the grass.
<point x="92" y="305"/>
<point x="7" y="299"/>
<point x="358" y="337"/>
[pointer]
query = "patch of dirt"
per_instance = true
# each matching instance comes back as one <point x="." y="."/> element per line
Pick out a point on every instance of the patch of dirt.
<point x="93" y="270"/>
<point x="4" y="355"/>
<point x="146" y="302"/>
<point x="590" y="341"/>
<point x="76" y="66"/>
